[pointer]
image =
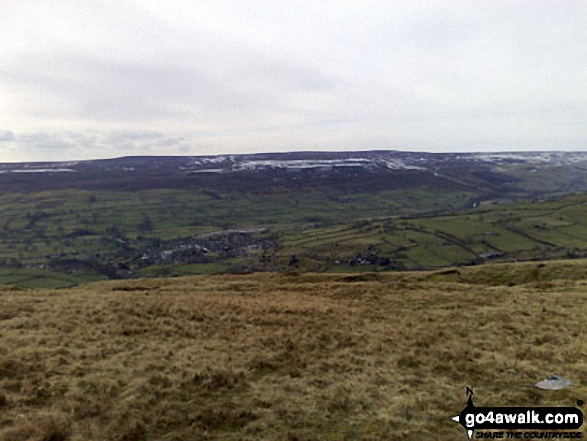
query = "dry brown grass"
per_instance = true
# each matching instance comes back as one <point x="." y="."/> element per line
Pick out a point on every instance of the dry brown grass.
<point x="281" y="357"/>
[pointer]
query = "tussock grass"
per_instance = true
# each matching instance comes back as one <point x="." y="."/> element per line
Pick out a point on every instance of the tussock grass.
<point x="283" y="356"/>
<point x="545" y="273"/>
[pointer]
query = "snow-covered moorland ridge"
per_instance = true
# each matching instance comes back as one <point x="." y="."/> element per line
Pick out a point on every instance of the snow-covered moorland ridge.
<point x="380" y="160"/>
<point x="390" y="160"/>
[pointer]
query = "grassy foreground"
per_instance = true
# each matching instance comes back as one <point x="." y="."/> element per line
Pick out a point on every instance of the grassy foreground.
<point x="288" y="356"/>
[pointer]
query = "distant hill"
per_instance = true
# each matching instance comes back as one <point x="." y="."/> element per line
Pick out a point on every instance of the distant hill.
<point x="67" y="222"/>
<point x="488" y="175"/>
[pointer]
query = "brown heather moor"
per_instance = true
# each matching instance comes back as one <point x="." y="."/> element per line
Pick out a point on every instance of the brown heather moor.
<point x="288" y="356"/>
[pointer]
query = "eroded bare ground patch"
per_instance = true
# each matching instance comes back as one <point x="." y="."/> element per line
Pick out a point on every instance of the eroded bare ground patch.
<point x="280" y="357"/>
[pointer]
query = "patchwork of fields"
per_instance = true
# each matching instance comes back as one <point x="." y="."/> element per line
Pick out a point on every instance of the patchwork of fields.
<point x="61" y="238"/>
<point x="525" y="231"/>
<point x="99" y="228"/>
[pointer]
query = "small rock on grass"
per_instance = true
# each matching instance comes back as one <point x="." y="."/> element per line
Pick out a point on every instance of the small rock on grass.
<point x="554" y="382"/>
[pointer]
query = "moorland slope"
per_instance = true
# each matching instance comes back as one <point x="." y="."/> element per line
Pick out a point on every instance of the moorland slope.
<point x="294" y="356"/>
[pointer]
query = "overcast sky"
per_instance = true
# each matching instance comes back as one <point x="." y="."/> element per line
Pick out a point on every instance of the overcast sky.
<point x="86" y="79"/>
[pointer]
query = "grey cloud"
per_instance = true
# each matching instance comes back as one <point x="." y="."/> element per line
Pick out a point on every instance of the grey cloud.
<point x="43" y="141"/>
<point x="6" y="135"/>
<point x="43" y="146"/>
<point x="131" y="91"/>
<point x="271" y="75"/>
<point x="147" y="142"/>
<point x="131" y="141"/>
<point x="118" y="137"/>
<point x="82" y="139"/>
<point x="68" y="145"/>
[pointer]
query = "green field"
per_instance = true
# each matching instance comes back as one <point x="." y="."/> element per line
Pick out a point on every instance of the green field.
<point x="540" y="230"/>
<point x="93" y="232"/>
